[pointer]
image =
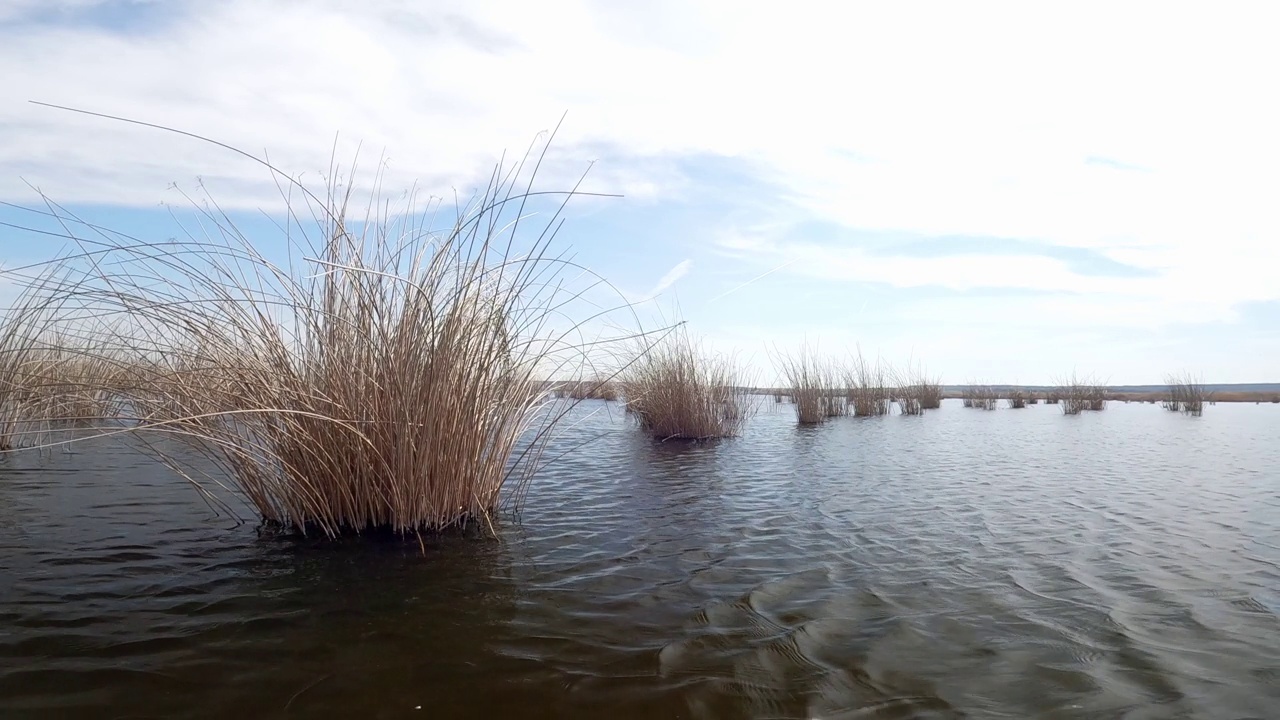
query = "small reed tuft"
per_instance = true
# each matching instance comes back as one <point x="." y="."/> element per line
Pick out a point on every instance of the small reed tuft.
<point x="1081" y="394"/>
<point x="981" y="397"/>
<point x="1017" y="399"/>
<point x="1185" y="395"/>
<point x="808" y="377"/>
<point x="676" y="391"/>
<point x="868" y="392"/>
<point x="917" y="392"/>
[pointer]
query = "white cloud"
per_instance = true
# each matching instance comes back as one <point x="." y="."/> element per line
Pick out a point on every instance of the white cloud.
<point x="1201" y="283"/>
<point x="18" y="9"/>
<point x="982" y="119"/>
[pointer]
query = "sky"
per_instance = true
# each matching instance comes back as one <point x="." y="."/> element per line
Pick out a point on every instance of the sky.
<point x="998" y="192"/>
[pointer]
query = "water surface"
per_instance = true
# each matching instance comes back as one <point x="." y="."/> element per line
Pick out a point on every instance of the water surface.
<point x="1009" y="564"/>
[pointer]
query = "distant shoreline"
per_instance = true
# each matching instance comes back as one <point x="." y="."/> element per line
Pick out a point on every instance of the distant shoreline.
<point x="1154" y="396"/>
<point x="1214" y="393"/>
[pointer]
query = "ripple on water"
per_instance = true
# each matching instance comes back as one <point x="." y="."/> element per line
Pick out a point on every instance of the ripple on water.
<point x="1123" y="564"/>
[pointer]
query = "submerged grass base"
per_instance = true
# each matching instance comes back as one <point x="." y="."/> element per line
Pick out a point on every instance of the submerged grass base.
<point x="468" y="528"/>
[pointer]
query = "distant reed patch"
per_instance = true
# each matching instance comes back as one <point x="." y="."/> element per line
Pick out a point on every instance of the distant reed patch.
<point x="1186" y="395"/>
<point x="868" y="387"/>
<point x="810" y="380"/>
<point x="676" y="390"/>
<point x="980" y="397"/>
<point x="1080" y="394"/>
<point x="595" y="389"/>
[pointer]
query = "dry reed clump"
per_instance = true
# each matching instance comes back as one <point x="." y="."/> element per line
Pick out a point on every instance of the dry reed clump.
<point x="73" y="383"/>
<point x="676" y="391"/>
<point x="1032" y="400"/>
<point x="1017" y="399"/>
<point x="50" y="380"/>
<point x="929" y="392"/>
<point x="22" y="365"/>
<point x="1081" y="394"/>
<point x="981" y="397"/>
<point x="915" y="391"/>
<point x="808" y="377"/>
<point x="833" y="402"/>
<point x="385" y="377"/>
<point x="868" y="388"/>
<point x="909" y="389"/>
<point x="1186" y="395"/>
<point x="918" y="393"/>
<point x="1097" y="399"/>
<point x="1074" y="402"/>
<point x="908" y="402"/>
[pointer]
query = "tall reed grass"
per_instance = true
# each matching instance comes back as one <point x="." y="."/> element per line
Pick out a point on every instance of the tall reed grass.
<point x="50" y="380"/>
<point x="23" y="366"/>
<point x="1081" y="394"/>
<point x="809" y="377"/>
<point x="929" y="392"/>
<point x="386" y="375"/>
<point x="868" y="388"/>
<point x="834" y="402"/>
<point x="981" y="397"/>
<point x="915" y="391"/>
<point x="678" y="391"/>
<point x="1186" y="395"/>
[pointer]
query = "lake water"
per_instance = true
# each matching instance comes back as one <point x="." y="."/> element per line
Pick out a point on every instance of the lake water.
<point x="1009" y="564"/>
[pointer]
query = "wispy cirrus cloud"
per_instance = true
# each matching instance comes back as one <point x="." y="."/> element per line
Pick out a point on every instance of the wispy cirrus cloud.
<point x="663" y="284"/>
<point x="673" y="275"/>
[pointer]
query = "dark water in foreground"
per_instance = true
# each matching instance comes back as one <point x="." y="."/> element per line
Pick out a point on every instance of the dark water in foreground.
<point x="1011" y="564"/>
